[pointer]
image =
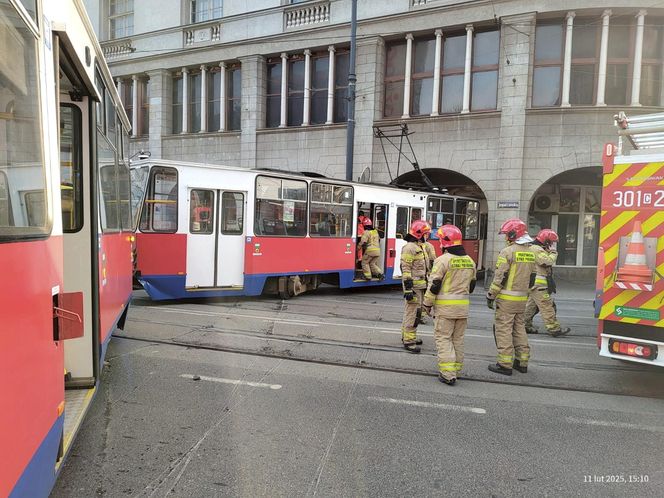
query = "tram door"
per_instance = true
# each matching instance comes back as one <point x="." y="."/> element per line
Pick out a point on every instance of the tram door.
<point x="215" y="242"/>
<point x="378" y="214"/>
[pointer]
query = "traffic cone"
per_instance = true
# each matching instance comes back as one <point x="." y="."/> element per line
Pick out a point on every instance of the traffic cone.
<point x="635" y="268"/>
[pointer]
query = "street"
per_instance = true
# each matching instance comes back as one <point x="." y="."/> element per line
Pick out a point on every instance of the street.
<point x="315" y="396"/>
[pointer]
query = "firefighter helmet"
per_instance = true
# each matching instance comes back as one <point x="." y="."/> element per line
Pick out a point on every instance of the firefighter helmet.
<point x="449" y="236"/>
<point x="367" y="222"/>
<point x="546" y="237"/>
<point x="418" y="228"/>
<point x="513" y="229"/>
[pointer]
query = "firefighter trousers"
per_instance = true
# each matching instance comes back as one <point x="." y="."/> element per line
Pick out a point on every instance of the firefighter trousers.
<point x="370" y="266"/>
<point x="510" y="334"/>
<point x="541" y="301"/>
<point x="411" y="317"/>
<point x="448" y="333"/>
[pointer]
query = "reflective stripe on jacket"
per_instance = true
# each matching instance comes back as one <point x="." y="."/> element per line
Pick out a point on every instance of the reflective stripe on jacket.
<point x="414" y="265"/>
<point x="372" y="240"/>
<point x="544" y="260"/>
<point x="514" y="267"/>
<point x="455" y="274"/>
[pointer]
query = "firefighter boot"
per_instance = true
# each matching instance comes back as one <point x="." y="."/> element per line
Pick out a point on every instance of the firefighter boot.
<point x="531" y="330"/>
<point x="412" y="348"/>
<point x="517" y="366"/>
<point x="500" y="369"/>
<point x="449" y="382"/>
<point x="560" y="332"/>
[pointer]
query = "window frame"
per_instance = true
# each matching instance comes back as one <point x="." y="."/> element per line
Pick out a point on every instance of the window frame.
<point x="457" y="71"/>
<point x="421" y="75"/>
<point x="212" y="212"/>
<point x="295" y="94"/>
<point x="177" y="79"/>
<point x="586" y="61"/>
<point x="394" y="79"/>
<point x="485" y="68"/>
<point x="222" y="213"/>
<point x="649" y="62"/>
<point x="210" y="11"/>
<point x="259" y="232"/>
<point x="350" y="205"/>
<point x="194" y="87"/>
<point x="231" y="69"/>
<point x="149" y="192"/>
<point x="114" y="17"/>
<point x="549" y="63"/>
<point x="337" y="117"/>
<point x="319" y="56"/>
<point x="77" y="151"/>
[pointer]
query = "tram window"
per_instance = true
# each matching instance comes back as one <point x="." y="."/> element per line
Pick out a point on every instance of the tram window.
<point x="232" y="213"/>
<point x="402" y="222"/>
<point x="201" y="211"/>
<point x="100" y="105"/>
<point x="160" y="212"/>
<point x="281" y="207"/>
<point x="124" y="191"/>
<point x="23" y="206"/>
<point x="440" y="212"/>
<point x="71" y="170"/>
<point x="110" y="119"/>
<point x="139" y="182"/>
<point x="467" y="218"/>
<point x="380" y="220"/>
<point x="331" y="210"/>
<point x="110" y="220"/>
<point x="415" y="214"/>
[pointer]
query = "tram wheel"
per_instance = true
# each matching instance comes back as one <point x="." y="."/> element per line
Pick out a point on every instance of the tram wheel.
<point x="285" y="288"/>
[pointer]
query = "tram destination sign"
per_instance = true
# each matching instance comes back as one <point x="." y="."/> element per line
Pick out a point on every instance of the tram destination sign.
<point x="640" y="313"/>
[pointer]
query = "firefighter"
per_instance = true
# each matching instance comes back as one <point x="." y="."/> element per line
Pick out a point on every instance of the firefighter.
<point x="540" y="297"/>
<point x="430" y="256"/>
<point x="508" y="294"/>
<point x="413" y="277"/>
<point x="370" y="244"/>
<point x="451" y="281"/>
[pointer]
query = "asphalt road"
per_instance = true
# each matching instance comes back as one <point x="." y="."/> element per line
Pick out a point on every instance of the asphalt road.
<point x="313" y="396"/>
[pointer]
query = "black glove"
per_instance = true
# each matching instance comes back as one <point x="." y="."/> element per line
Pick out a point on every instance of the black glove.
<point x="408" y="295"/>
<point x="490" y="301"/>
<point x="435" y="286"/>
<point x="408" y="284"/>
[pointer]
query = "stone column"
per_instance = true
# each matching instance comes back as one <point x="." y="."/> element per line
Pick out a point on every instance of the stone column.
<point x="467" y="69"/>
<point x="407" y="76"/>
<point x="222" y="96"/>
<point x="160" y="110"/>
<point x="253" y="107"/>
<point x="508" y="181"/>
<point x="638" y="56"/>
<point x="567" y="60"/>
<point x="134" y="103"/>
<point x="185" y="100"/>
<point x="306" y="106"/>
<point x="330" y="86"/>
<point x="284" y="90"/>
<point x="120" y="86"/>
<point x="603" y="55"/>
<point x="203" y="98"/>
<point x="435" y="103"/>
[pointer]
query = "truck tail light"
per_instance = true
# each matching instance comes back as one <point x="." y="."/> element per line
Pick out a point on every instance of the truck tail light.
<point x="633" y="349"/>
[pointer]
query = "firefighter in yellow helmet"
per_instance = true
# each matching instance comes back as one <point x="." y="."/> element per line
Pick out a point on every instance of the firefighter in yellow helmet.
<point x="540" y="298"/>
<point x="515" y="273"/>
<point x="414" y="281"/>
<point x="370" y="244"/>
<point x="451" y="281"/>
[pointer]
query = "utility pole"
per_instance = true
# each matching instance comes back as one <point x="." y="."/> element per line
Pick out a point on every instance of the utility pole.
<point x="350" y="130"/>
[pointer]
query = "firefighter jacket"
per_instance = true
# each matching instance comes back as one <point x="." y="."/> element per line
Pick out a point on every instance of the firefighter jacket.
<point x="515" y="268"/>
<point x="414" y="265"/>
<point x="449" y="286"/>
<point x="544" y="261"/>
<point x="429" y="254"/>
<point x="372" y="241"/>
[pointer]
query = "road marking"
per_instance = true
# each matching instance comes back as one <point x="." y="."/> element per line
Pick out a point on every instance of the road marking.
<point x="214" y="313"/>
<point x="426" y="404"/>
<point x="619" y="425"/>
<point x="233" y="381"/>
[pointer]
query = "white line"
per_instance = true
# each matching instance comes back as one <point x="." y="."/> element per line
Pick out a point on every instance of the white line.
<point x="233" y="381"/>
<point x="620" y="425"/>
<point x="426" y="404"/>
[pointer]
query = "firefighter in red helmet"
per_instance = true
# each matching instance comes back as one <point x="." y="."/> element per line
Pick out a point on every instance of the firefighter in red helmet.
<point x="515" y="271"/>
<point x="414" y="281"/>
<point x="430" y="256"/>
<point x="370" y="244"/>
<point x="540" y="298"/>
<point x="451" y="281"/>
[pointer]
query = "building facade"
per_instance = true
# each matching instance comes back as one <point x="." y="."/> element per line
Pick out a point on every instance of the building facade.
<point x="507" y="100"/>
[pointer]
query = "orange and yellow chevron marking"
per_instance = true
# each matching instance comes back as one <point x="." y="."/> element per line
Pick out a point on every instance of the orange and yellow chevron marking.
<point x="620" y="300"/>
<point x="644" y="174"/>
<point x="653" y="222"/>
<point x="618" y="222"/>
<point x="611" y="253"/>
<point x="618" y="171"/>
<point x="653" y="303"/>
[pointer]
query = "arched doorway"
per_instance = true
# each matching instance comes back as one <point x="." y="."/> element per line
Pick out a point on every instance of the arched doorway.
<point x="569" y="203"/>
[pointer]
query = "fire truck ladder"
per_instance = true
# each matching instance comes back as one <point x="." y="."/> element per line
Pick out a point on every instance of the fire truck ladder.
<point x="400" y="131"/>
<point x="643" y="132"/>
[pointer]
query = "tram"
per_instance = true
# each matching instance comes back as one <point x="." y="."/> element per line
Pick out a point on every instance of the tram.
<point x="208" y="230"/>
<point x="65" y="232"/>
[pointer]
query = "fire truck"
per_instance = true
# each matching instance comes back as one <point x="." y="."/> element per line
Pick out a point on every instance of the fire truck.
<point x="630" y="286"/>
